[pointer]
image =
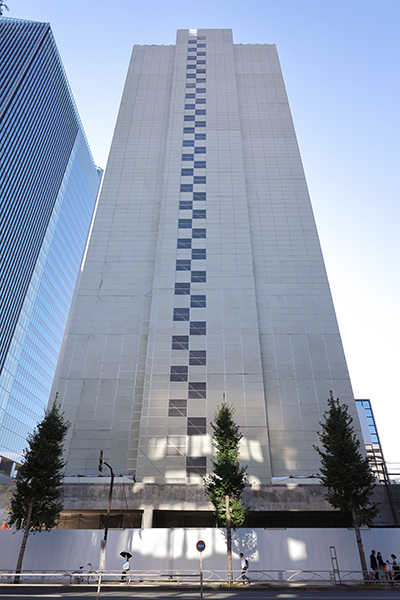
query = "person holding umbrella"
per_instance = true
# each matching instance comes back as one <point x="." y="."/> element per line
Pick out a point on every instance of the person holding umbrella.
<point x="125" y="565"/>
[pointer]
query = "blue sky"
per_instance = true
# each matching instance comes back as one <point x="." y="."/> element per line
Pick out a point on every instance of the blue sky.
<point x="340" y="60"/>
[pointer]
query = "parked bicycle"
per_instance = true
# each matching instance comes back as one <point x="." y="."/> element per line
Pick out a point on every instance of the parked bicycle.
<point x="88" y="576"/>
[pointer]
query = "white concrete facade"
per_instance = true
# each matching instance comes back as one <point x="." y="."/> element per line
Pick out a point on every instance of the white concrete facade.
<point x="204" y="276"/>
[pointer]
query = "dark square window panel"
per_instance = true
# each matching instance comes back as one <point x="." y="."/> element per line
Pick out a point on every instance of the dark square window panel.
<point x="197" y="390"/>
<point x="177" y="408"/>
<point x="186" y="172"/>
<point x="197" y="362"/>
<point x="199" y="214"/>
<point x="199" y="233"/>
<point x="201" y="37"/>
<point x="180" y="342"/>
<point x="189" y="118"/>
<point x="199" y="179"/>
<point x="184" y="223"/>
<point x="198" y="328"/>
<point x="197" y="425"/>
<point x="199" y="196"/>
<point x="197" y="357"/>
<point x="182" y="289"/>
<point x="200" y="71"/>
<point x="192" y="41"/>
<point x="192" y="56"/>
<point x="184" y="243"/>
<point x="201" y="62"/>
<point x="200" y="136"/>
<point x="198" y="277"/>
<point x="190" y="75"/>
<point x="200" y="90"/>
<point x="188" y="143"/>
<point x="200" y="111"/>
<point x="185" y="205"/>
<point x="195" y="466"/>
<point x="178" y="373"/>
<point x="202" y="53"/>
<point x="190" y="85"/>
<point x="187" y="156"/>
<point x="188" y="130"/>
<point x="188" y="96"/>
<point x="200" y="124"/>
<point x="201" y="45"/>
<point x="200" y="150"/>
<point x="200" y="100"/>
<point x="199" y="164"/>
<point x="197" y="301"/>
<point x="183" y="265"/>
<point x="198" y="254"/>
<point x="186" y="187"/>
<point x="200" y="80"/>
<point x="181" y="314"/>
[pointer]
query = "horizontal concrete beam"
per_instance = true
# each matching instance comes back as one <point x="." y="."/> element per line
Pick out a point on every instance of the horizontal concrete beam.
<point x="80" y="493"/>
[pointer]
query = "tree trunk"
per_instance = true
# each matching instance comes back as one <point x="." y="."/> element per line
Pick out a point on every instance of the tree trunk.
<point x="229" y="540"/>
<point x="24" y="540"/>
<point x="359" y="544"/>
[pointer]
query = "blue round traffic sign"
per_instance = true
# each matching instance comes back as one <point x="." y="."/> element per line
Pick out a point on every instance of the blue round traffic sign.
<point x="200" y="545"/>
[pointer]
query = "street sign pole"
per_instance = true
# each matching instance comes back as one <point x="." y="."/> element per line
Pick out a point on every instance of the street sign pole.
<point x="201" y="547"/>
<point x="201" y="576"/>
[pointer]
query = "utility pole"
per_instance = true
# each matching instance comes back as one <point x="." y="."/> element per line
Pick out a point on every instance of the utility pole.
<point x="104" y="542"/>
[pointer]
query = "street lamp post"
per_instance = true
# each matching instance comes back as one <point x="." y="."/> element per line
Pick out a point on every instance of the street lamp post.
<point x="104" y="542"/>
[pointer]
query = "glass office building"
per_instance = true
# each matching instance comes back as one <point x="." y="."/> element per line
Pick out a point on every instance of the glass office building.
<point x="49" y="185"/>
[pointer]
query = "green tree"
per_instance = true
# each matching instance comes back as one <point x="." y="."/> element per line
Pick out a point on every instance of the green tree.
<point x="345" y="471"/>
<point x="224" y="486"/>
<point x="35" y="502"/>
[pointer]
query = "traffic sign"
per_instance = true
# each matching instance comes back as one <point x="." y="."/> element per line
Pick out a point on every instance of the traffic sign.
<point x="200" y="545"/>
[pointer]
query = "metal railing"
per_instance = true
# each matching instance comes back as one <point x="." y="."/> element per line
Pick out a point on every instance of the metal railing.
<point x="188" y="577"/>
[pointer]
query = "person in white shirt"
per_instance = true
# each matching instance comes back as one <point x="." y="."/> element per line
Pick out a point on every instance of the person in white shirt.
<point x="244" y="565"/>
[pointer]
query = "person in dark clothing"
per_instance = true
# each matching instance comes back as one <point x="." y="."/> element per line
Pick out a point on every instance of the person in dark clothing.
<point x="374" y="565"/>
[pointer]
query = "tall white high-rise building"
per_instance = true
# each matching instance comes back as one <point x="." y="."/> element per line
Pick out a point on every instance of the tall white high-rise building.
<point x="204" y="276"/>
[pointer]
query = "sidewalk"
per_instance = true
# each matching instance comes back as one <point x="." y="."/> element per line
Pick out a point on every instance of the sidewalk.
<point x="215" y="587"/>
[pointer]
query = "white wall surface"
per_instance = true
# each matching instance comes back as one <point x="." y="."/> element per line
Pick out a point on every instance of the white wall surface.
<point x="173" y="549"/>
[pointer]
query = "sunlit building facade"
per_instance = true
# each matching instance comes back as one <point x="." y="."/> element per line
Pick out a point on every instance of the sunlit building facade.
<point x="204" y="277"/>
<point x="49" y="185"/>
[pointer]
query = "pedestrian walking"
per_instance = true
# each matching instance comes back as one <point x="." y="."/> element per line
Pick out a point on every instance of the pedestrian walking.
<point x="125" y="565"/>
<point x="374" y="566"/>
<point x="382" y="567"/>
<point x="395" y="568"/>
<point x="244" y="565"/>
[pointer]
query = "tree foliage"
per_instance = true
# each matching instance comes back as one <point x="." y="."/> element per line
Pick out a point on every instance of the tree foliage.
<point x="38" y="483"/>
<point x="228" y="477"/>
<point x="346" y="472"/>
